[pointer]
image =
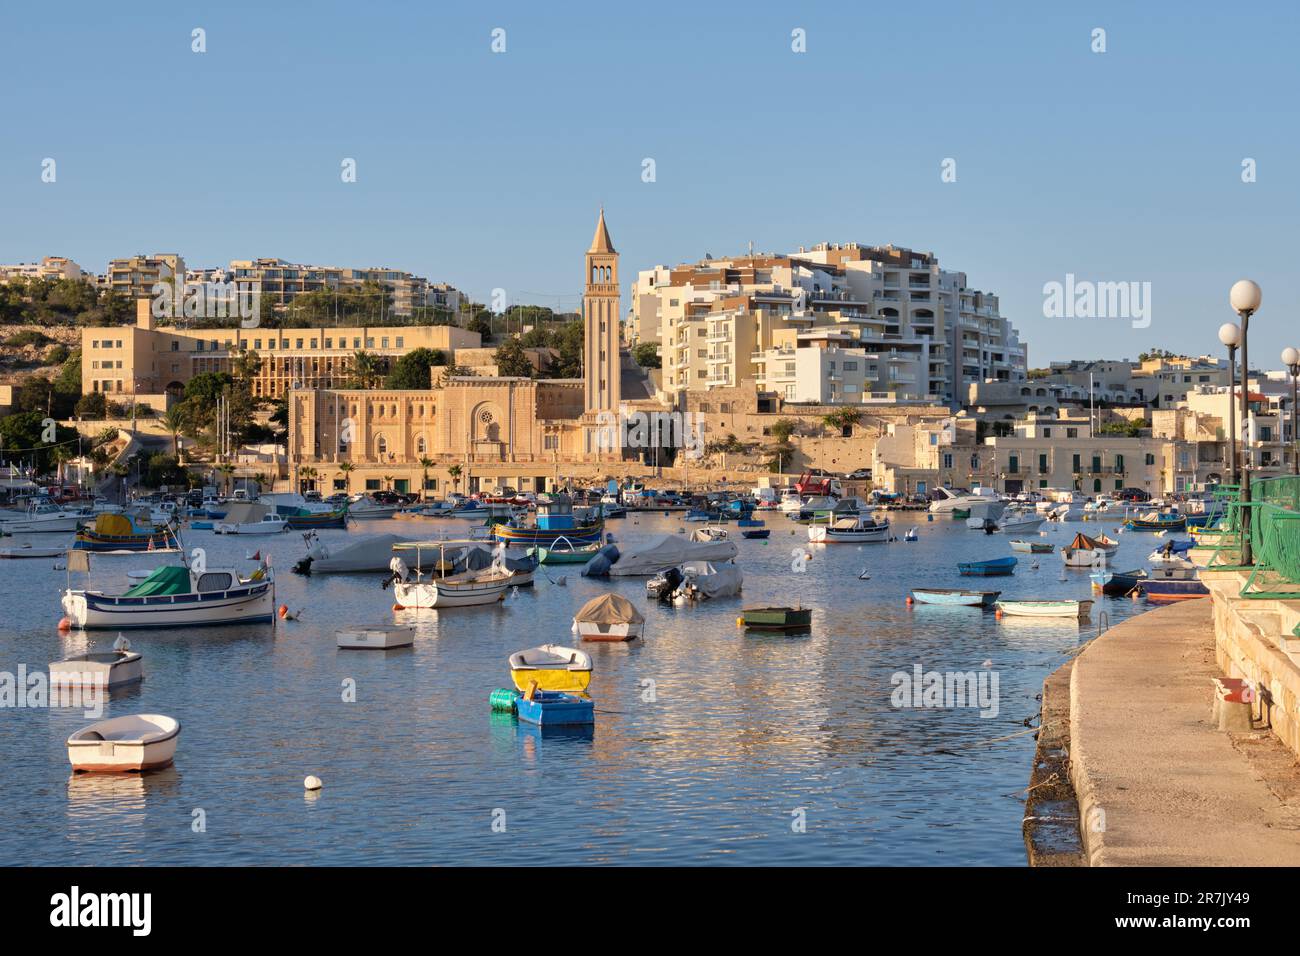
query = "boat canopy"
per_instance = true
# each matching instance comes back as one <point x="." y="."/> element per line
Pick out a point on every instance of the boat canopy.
<point x="609" y="609"/>
<point x="712" y="580"/>
<point x="1082" y="542"/>
<point x="669" y="552"/>
<point x="248" y="512"/>
<point x="117" y="524"/>
<point x="169" y="579"/>
<point x="368" y="554"/>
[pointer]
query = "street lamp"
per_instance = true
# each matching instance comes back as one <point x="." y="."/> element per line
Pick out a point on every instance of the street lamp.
<point x="1230" y="335"/>
<point x="1291" y="359"/>
<point x="1244" y="297"/>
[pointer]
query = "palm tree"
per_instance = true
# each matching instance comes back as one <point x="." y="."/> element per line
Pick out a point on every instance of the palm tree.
<point x="347" y="468"/>
<point x="365" y="369"/>
<point x="227" y="470"/>
<point x="310" y="474"/>
<point x="454" y="472"/>
<point x="174" y="420"/>
<point x="388" y="480"/>
<point x="425" y="465"/>
<point x="260" y="478"/>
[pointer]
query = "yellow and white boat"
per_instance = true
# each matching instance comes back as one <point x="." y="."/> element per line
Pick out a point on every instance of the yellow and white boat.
<point x="553" y="666"/>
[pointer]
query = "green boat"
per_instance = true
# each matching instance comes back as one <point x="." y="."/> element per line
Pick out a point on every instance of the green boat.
<point x="565" y="551"/>
<point x="777" y="618"/>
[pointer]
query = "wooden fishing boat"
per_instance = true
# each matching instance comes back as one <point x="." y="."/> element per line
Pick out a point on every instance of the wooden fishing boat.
<point x="610" y="617"/>
<point x="1117" y="583"/>
<point x="552" y="666"/>
<point x="1080" y="610"/>
<point x="564" y="551"/>
<point x="1152" y="521"/>
<point x="175" y="596"/>
<point x="777" y="618"/>
<point x="382" y="637"/>
<point x="954" y="597"/>
<point x="550" y="708"/>
<point x="124" y="744"/>
<point x="120" y="532"/>
<point x="305" y="520"/>
<point x="852" y="529"/>
<point x="1032" y="547"/>
<point x="270" y="524"/>
<point x="555" y="520"/>
<point x="468" y="589"/>
<point x="1085" y="551"/>
<point x="991" y="568"/>
<point x="756" y="533"/>
<point x="1173" y="584"/>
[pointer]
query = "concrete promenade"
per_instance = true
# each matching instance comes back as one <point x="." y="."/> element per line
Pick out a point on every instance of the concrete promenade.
<point x="1157" y="783"/>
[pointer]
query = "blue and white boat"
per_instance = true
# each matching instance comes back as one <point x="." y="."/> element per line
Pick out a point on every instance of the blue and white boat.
<point x="992" y="568"/>
<point x="1117" y="583"/>
<point x="176" y="596"/>
<point x="954" y="597"/>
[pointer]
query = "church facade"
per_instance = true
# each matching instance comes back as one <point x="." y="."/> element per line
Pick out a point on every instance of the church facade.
<point x="482" y="433"/>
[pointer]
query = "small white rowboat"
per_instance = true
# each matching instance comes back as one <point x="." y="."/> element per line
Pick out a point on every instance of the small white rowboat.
<point x="1081" y="610"/>
<point x="380" y="637"/>
<point x="137" y="742"/>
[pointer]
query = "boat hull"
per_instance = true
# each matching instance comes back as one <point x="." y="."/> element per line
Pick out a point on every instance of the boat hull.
<point x="546" y="537"/>
<point x="1079" y="610"/>
<point x="324" y="519"/>
<point x="1137" y="524"/>
<point x="380" y="637"/>
<point x="987" y="569"/>
<point x="777" y="618"/>
<point x="147" y="749"/>
<point x="105" y="671"/>
<point x="92" y="610"/>
<point x="949" y="597"/>
<point x="825" y="534"/>
<point x="612" y="633"/>
<point x="1166" y="591"/>
<point x="90" y="541"/>
<point x="438" y="593"/>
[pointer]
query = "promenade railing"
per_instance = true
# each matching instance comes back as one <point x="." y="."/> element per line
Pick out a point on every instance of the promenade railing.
<point x="1273" y="519"/>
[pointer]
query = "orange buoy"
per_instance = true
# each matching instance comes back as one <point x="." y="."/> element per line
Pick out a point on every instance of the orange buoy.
<point x="398" y="607"/>
<point x="909" y="600"/>
<point x="284" y="611"/>
<point x="998" y="614"/>
<point x="65" y="624"/>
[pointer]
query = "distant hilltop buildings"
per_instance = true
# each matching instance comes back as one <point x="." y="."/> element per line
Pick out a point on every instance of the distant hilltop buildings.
<point x="830" y="324"/>
<point x="133" y="277"/>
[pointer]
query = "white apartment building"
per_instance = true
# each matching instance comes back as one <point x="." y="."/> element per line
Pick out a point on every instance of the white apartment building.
<point x="931" y="332"/>
<point x="50" y="267"/>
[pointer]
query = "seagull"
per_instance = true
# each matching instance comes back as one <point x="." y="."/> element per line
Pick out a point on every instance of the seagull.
<point x="1034" y="566"/>
<point x="864" y="576"/>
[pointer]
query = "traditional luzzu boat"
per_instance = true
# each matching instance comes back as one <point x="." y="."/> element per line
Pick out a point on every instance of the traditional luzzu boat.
<point x="954" y="597"/>
<point x="304" y="519"/>
<point x="176" y="596"/>
<point x="555" y="520"/>
<point x="1079" y="610"/>
<point x="1155" y="521"/>
<point x="553" y="667"/>
<point x="120" y="532"/>
<point x="411" y="590"/>
<point x="991" y="568"/>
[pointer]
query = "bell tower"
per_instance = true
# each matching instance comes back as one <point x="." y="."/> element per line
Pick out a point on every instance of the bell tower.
<point x="600" y="315"/>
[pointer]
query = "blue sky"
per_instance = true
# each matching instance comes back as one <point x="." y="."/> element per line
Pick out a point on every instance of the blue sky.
<point x="486" y="170"/>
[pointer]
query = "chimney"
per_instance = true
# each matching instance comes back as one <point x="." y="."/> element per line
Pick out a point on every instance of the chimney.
<point x="144" y="314"/>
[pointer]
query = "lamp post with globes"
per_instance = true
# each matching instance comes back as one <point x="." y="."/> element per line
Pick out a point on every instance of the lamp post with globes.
<point x="1244" y="297"/>
<point x="1291" y="359"/>
<point x="1230" y="335"/>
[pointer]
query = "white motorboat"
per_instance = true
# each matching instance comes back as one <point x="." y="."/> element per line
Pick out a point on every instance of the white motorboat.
<point x="347" y="556"/>
<point x="270" y="524"/>
<point x="1079" y="610"/>
<point x="176" y="596"/>
<point x="1159" y="559"/>
<point x="853" y="529"/>
<point x="702" y="580"/>
<point x="979" y="503"/>
<point x="46" y="518"/>
<point x="365" y="508"/>
<point x="553" y="667"/>
<point x="137" y="742"/>
<point x="382" y="637"/>
<point x="105" y="670"/>
<point x="709" y="533"/>
<point x="791" y="503"/>
<point x="610" y="617"/>
<point x="1020" y="522"/>
<point x="442" y="590"/>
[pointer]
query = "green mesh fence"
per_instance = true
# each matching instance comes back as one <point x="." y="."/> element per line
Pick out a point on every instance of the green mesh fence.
<point x="1275" y="526"/>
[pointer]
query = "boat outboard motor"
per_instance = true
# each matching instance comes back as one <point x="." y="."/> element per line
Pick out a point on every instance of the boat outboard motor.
<point x="397" y="571"/>
<point x="990" y="526"/>
<point x="303" y="566"/>
<point x="671" y="580"/>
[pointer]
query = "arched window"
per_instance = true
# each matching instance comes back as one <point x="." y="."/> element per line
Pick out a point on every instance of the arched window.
<point x="381" y="446"/>
<point x="419" y="445"/>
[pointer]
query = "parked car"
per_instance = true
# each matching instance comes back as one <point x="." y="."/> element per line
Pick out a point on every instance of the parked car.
<point x="1134" y="494"/>
<point x="862" y="474"/>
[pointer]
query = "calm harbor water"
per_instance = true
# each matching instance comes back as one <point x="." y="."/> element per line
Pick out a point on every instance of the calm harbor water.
<point x="744" y="733"/>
